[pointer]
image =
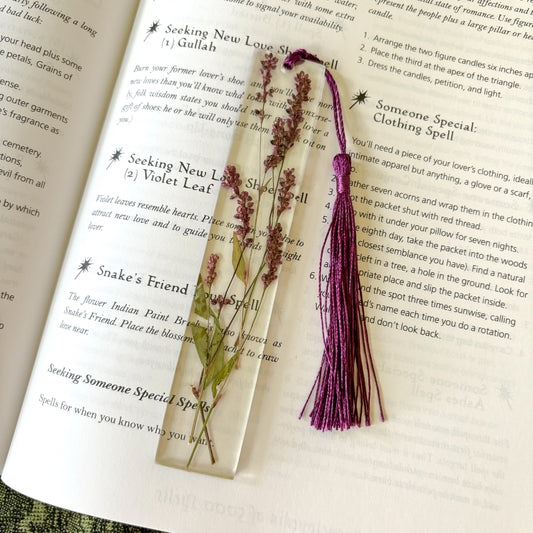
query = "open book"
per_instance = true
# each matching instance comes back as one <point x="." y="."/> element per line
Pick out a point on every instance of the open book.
<point x="99" y="218"/>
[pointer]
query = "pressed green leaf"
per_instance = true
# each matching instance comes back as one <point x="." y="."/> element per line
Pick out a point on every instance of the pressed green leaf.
<point x="216" y="358"/>
<point x="199" y="335"/>
<point x="237" y="258"/>
<point x="201" y="307"/>
<point x="222" y="374"/>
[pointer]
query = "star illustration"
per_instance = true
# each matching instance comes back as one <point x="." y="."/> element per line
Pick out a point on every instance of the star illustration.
<point x="115" y="157"/>
<point x="359" y="98"/>
<point x="84" y="266"/>
<point x="152" y="29"/>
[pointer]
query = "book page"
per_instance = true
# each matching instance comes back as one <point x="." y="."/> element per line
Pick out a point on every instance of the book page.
<point x="58" y="63"/>
<point x="437" y="110"/>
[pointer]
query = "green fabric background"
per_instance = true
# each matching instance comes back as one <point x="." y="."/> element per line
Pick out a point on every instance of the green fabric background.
<point x="20" y="514"/>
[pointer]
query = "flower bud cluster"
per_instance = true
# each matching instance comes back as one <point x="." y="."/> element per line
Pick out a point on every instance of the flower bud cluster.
<point x="245" y="204"/>
<point x="286" y="183"/>
<point x="286" y="131"/>
<point x="267" y="66"/>
<point x="220" y="301"/>
<point x="274" y="245"/>
<point x="211" y="269"/>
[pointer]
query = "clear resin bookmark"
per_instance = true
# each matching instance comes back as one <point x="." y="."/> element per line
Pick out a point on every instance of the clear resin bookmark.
<point x="219" y="362"/>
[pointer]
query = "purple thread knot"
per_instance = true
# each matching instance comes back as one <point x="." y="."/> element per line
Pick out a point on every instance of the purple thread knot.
<point x="342" y="166"/>
<point x="297" y="57"/>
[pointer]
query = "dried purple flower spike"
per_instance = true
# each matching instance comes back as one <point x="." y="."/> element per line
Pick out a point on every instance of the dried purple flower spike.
<point x="245" y="203"/>
<point x="286" y="131"/>
<point x="245" y="208"/>
<point x="273" y="255"/>
<point x="286" y="183"/>
<point x="295" y="109"/>
<point x="231" y="180"/>
<point x="267" y="66"/>
<point x="211" y="269"/>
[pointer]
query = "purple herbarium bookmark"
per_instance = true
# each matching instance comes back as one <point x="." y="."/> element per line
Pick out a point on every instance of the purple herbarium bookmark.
<point x="344" y="384"/>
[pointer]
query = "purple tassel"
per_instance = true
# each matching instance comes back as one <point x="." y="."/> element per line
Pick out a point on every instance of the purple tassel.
<point x="344" y="384"/>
